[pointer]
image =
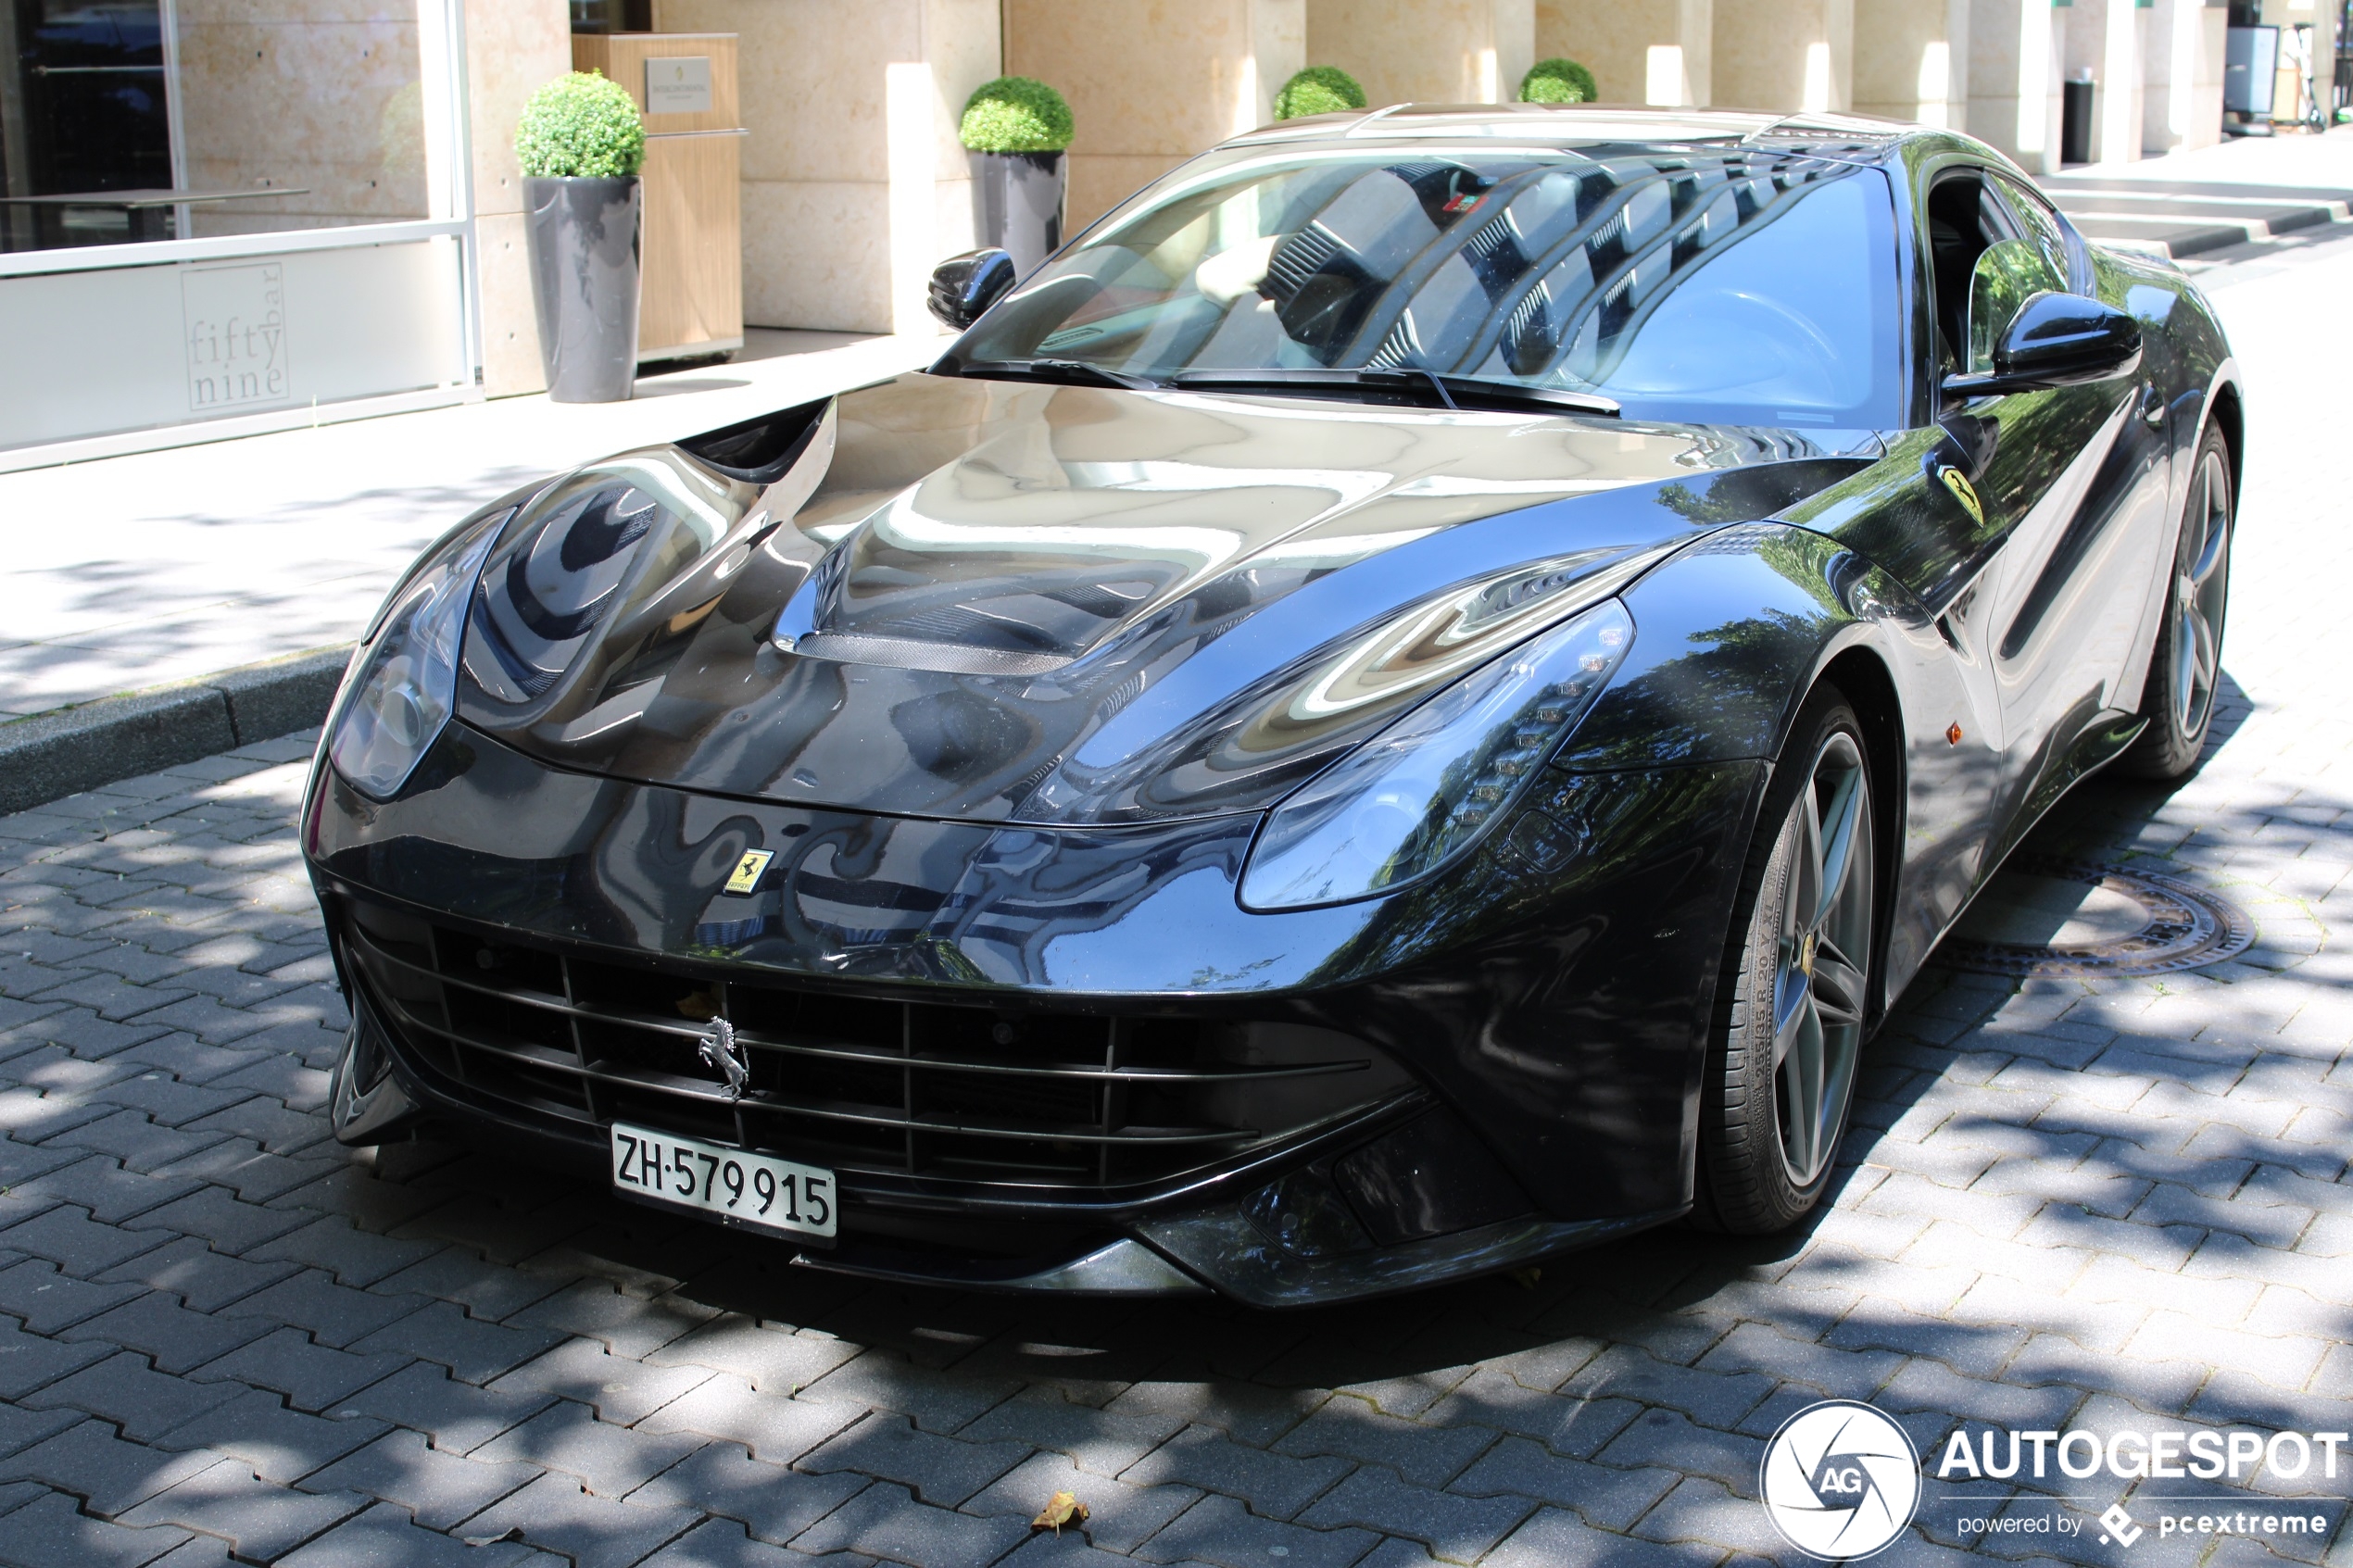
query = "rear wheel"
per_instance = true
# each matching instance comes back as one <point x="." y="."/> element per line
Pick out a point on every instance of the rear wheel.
<point x="1791" y="1009"/>
<point x="2186" y="664"/>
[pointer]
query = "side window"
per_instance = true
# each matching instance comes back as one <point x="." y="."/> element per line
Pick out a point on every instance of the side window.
<point x="2041" y="225"/>
<point x="1965" y="219"/>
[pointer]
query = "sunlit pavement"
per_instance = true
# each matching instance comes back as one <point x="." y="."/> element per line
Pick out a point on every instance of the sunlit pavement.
<point x="2115" y="1205"/>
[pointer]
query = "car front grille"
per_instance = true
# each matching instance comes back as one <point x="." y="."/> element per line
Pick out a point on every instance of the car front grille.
<point x="963" y="1092"/>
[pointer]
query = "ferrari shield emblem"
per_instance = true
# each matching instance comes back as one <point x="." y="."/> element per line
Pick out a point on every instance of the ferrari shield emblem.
<point x="748" y="870"/>
<point x="1963" y="492"/>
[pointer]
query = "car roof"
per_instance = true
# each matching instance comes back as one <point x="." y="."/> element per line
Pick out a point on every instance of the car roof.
<point x="1621" y="127"/>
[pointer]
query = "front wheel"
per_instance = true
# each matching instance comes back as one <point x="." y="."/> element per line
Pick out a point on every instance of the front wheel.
<point x="1791" y="1007"/>
<point x="2186" y="664"/>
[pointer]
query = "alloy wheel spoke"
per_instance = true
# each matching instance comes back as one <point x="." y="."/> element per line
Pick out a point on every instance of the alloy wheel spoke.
<point x="1792" y="1007"/>
<point x="1837" y="988"/>
<point x="1802" y="1092"/>
<point x="1837" y="842"/>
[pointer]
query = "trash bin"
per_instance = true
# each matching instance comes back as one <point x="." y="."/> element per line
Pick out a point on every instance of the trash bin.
<point x="2075" y="122"/>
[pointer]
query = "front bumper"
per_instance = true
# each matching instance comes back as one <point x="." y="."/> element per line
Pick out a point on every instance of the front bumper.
<point x="1526" y="1076"/>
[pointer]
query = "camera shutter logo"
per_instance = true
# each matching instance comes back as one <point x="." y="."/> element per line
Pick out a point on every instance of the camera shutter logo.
<point x="1840" y="1480"/>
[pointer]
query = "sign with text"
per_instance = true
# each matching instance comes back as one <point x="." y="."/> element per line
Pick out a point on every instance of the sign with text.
<point x="679" y="84"/>
<point x="235" y="322"/>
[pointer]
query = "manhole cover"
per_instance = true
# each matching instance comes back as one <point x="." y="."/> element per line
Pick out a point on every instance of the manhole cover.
<point x="2060" y="919"/>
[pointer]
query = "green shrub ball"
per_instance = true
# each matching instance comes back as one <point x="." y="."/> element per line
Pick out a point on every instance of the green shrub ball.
<point x="581" y="126"/>
<point x="1558" y="81"/>
<point x="1318" y="89"/>
<point x="1015" y="114"/>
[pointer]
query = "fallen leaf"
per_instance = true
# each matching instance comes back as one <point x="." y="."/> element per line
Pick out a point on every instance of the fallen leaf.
<point x="1527" y="1277"/>
<point x="1063" y="1508"/>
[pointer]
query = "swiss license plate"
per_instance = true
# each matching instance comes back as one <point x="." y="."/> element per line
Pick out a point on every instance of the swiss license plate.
<point x="754" y="1189"/>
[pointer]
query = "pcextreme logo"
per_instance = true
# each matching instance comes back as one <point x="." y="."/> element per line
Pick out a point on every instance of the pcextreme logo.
<point x="1840" y="1480"/>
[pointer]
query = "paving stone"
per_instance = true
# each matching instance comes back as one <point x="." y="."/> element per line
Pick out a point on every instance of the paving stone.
<point x="281" y="1444"/>
<point x="472" y="1349"/>
<point x="89" y="1460"/>
<point x="439" y="1490"/>
<point x="214" y="1215"/>
<point x="259" y="1521"/>
<point x="334" y="1314"/>
<point x="1220" y="1530"/>
<point x="943" y="1471"/>
<point x="124" y="1390"/>
<point x="137" y="1140"/>
<point x="1273" y="1485"/>
<point x="554" y="1513"/>
<point x="776" y="1428"/>
<point x="1122" y="1517"/>
<point x="1454" y="1527"/>
<point x="774" y="1503"/>
<point x="166" y="1099"/>
<point x="313" y="1376"/>
<point x="158" y="1326"/>
<point x="384" y="1537"/>
<point x="109" y="1193"/>
<point x="485" y="1290"/>
<point x="457" y="1416"/>
<point x="887" y="1522"/>
<point x="611" y="1460"/>
<point x="617" y="1388"/>
<point x="50" y="1533"/>
<point x="1555" y="1539"/>
<point x="1349" y="1428"/>
<point x="1101" y="1441"/>
<point x="1609" y="1496"/>
<point x="28" y="1360"/>
<point x="770" y="1357"/>
<point x="202" y="1278"/>
<point x="68" y="1237"/>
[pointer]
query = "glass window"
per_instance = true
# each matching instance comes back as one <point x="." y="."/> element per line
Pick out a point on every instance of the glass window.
<point x="2042" y="226"/>
<point x="124" y="121"/>
<point x="1741" y="288"/>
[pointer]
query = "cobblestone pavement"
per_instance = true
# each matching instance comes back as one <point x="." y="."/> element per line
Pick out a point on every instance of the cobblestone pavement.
<point x="2114" y="1204"/>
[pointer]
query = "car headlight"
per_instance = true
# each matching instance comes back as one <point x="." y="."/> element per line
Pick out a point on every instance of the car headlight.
<point x="1418" y="795"/>
<point x="404" y="683"/>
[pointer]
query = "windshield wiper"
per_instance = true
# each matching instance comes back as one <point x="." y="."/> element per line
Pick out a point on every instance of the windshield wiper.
<point x="1079" y="371"/>
<point x="1450" y="391"/>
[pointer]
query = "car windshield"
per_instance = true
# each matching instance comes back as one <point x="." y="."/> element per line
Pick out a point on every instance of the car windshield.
<point x="1741" y="286"/>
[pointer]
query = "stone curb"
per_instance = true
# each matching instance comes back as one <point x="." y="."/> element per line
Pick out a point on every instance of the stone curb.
<point x="53" y="755"/>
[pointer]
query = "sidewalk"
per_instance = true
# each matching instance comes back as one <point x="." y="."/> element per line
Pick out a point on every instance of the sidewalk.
<point x="2216" y="198"/>
<point x="166" y="566"/>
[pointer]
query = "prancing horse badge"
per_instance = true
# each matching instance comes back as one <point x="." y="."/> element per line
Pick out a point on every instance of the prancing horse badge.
<point x="748" y="871"/>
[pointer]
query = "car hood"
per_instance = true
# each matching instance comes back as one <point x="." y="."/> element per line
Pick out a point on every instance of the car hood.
<point x="1012" y="602"/>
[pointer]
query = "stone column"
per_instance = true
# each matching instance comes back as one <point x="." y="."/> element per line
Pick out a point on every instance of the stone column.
<point x="512" y="48"/>
<point x="2104" y="38"/>
<point x="1911" y="60"/>
<point x="1784" y="55"/>
<point x="1151" y="82"/>
<point x="2181" y="76"/>
<point x="1427" y="51"/>
<point x="854" y="185"/>
<point x="1639" y="51"/>
<point x="2016" y="52"/>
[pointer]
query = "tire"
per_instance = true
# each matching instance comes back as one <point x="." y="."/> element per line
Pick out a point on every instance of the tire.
<point x="2185" y="665"/>
<point x="1791" y="1005"/>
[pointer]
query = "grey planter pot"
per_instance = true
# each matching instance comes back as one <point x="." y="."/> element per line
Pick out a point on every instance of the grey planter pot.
<point x="1018" y="204"/>
<point x="585" y="254"/>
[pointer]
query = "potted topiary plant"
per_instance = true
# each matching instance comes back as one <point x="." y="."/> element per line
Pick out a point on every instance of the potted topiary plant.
<point x="1558" y="81"/>
<point x="582" y="143"/>
<point x="1318" y="89"/>
<point x="1015" y="130"/>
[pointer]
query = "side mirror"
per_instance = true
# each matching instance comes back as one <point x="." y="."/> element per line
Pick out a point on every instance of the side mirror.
<point x="2056" y="340"/>
<point x="963" y="286"/>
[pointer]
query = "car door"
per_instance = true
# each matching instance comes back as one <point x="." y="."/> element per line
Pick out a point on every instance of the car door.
<point x="2065" y="479"/>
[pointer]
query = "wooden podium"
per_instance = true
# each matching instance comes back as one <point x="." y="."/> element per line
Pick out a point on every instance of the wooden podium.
<point x="691" y="301"/>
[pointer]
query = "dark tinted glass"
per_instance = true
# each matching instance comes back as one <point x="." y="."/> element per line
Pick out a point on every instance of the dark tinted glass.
<point x="1749" y="287"/>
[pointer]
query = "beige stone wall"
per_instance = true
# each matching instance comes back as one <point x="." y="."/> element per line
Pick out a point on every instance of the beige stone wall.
<point x="2103" y="39"/>
<point x="2181" y="77"/>
<point x="2016" y="50"/>
<point x="854" y="185"/>
<point x="1427" y="51"/>
<point x="1911" y="60"/>
<point x="1639" y="51"/>
<point x="1784" y="55"/>
<point x="512" y="48"/>
<point x="1151" y="82"/>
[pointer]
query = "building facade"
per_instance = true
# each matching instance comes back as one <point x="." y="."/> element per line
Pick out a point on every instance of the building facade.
<point x="339" y="225"/>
